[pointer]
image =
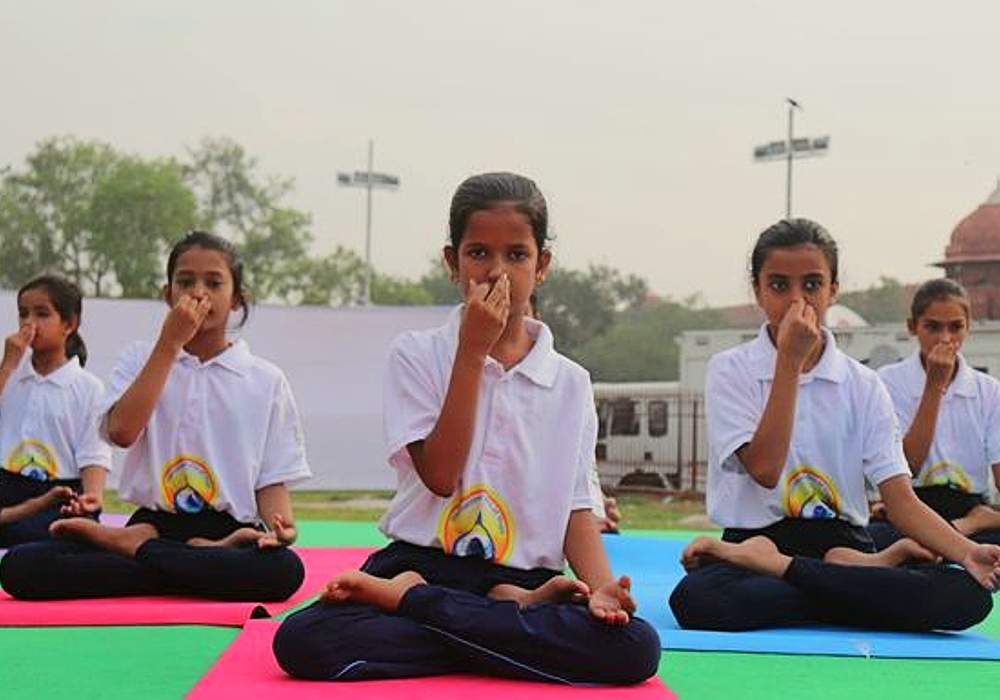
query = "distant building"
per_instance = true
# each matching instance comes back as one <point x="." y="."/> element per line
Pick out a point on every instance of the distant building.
<point x="972" y="257"/>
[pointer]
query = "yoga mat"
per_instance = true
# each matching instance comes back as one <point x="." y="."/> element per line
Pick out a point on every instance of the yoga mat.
<point x="247" y="669"/>
<point x="654" y="565"/>
<point x="320" y="565"/>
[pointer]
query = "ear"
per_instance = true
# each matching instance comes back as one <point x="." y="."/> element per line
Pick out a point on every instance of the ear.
<point x="544" y="260"/>
<point x="834" y="291"/>
<point x="451" y="260"/>
<point x="167" y="295"/>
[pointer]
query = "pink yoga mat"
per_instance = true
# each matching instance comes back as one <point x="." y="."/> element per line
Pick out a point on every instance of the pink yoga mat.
<point x="247" y="669"/>
<point x="321" y="565"/>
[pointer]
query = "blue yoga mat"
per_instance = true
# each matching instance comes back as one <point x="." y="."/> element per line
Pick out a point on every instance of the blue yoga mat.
<point x="654" y="566"/>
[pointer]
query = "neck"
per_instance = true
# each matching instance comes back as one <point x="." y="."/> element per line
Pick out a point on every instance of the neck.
<point x="46" y="363"/>
<point x="208" y="345"/>
<point x="513" y="344"/>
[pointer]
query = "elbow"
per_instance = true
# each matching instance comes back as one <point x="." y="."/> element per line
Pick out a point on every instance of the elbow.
<point x="442" y="490"/>
<point x="120" y="438"/>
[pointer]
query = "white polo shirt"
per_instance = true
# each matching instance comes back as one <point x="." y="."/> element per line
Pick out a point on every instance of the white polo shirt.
<point x="844" y="431"/>
<point x="530" y="459"/>
<point x="48" y="425"/>
<point x="220" y="431"/>
<point x="967" y="435"/>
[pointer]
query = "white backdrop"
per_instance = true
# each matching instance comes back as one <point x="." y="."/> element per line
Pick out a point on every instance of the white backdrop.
<point x="333" y="357"/>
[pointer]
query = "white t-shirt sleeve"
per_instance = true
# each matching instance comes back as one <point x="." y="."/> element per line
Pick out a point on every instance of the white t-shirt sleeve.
<point x="130" y="363"/>
<point x="991" y="410"/>
<point x="89" y="447"/>
<point x="883" y="456"/>
<point x="587" y="491"/>
<point x="412" y="399"/>
<point x="732" y="408"/>
<point x="284" y="460"/>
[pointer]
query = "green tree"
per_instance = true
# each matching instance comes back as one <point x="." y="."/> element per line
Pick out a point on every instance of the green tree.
<point x="579" y="306"/>
<point x="45" y="210"/>
<point x="136" y="211"/>
<point x="234" y="199"/>
<point x="641" y="344"/>
<point x="438" y="285"/>
<point x="885" y="302"/>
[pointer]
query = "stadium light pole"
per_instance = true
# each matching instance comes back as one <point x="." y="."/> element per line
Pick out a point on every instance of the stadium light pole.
<point x="789" y="150"/>
<point x="369" y="180"/>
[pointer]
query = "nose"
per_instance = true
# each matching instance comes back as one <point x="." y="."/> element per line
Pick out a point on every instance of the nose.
<point x="496" y="268"/>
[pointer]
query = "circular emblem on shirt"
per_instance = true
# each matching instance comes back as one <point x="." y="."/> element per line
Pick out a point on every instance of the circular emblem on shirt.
<point x="477" y="523"/>
<point x="944" y="473"/>
<point x="809" y="493"/>
<point x="32" y="459"/>
<point x="188" y="484"/>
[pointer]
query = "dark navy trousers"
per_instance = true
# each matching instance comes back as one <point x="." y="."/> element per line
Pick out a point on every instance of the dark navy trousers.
<point x="16" y="489"/>
<point x="451" y="626"/>
<point x="723" y="596"/>
<point x="57" y="569"/>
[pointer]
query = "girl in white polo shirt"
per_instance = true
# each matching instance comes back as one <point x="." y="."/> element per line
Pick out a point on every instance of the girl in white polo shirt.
<point x="213" y="439"/>
<point x="950" y="414"/>
<point x="794" y="428"/>
<point x="491" y="433"/>
<point x="54" y="461"/>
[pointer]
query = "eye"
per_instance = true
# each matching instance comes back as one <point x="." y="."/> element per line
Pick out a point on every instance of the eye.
<point x="812" y="286"/>
<point x="519" y="255"/>
<point x="778" y="285"/>
<point x="22" y="314"/>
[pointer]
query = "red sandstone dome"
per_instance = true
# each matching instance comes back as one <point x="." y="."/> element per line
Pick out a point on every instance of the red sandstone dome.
<point x="977" y="236"/>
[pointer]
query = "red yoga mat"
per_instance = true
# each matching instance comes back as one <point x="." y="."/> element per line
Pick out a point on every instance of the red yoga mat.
<point x="247" y="669"/>
<point x="320" y="564"/>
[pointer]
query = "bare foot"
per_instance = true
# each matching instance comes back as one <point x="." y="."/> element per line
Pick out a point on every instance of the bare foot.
<point x="558" y="589"/>
<point x="976" y="520"/>
<point x="757" y="554"/>
<point x="240" y="537"/>
<point x="121" y="540"/>
<point x="384" y="593"/>
<point x="897" y="553"/>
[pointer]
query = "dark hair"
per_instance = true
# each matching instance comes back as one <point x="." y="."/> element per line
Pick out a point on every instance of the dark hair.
<point x="209" y="241"/>
<point x="67" y="300"/>
<point x="789" y="233"/>
<point x="490" y="190"/>
<point x="939" y="289"/>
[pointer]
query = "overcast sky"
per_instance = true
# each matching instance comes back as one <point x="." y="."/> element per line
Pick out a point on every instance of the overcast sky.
<point x="636" y="117"/>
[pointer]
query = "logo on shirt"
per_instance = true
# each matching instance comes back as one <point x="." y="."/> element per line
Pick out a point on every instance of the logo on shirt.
<point x="32" y="459"/>
<point x="188" y="484"/>
<point x="477" y="523"/>
<point x="809" y="493"/>
<point x="944" y="473"/>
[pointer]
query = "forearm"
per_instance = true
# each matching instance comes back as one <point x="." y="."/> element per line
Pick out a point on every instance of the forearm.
<point x="765" y="455"/>
<point x="917" y="520"/>
<point x="584" y="550"/>
<point x="918" y="438"/>
<point x="131" y="413"/>
<point x="94" y="479"/>
<point x="441" y="457"/>
<point x="275" y="501"/>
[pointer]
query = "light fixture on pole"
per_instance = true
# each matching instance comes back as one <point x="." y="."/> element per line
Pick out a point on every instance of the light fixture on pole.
<point x="369" y="180"/>
<point x="791" y="149"/>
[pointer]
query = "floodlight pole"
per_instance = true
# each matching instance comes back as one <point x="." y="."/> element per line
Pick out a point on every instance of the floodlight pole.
<point x="369" y="180"/>
<point x="792" y="106"/>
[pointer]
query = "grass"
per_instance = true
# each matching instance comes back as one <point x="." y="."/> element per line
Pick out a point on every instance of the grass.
<point x="640" y="511"/>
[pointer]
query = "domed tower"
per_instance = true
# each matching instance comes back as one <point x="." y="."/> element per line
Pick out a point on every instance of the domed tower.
<point x="972" y="257"/>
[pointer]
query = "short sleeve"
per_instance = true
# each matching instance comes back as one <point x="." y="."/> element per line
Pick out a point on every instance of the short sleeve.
<point x="412" y="399"/>
<point x="284" y="459"/>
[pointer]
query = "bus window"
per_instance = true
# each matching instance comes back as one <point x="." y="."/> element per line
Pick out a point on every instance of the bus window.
<point x="624" y="420"/>
<point x="602" y="419"/>
<point x="657" y="416"/>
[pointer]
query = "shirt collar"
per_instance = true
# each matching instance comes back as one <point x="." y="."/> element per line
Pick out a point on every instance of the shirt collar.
<point x="236" y="358"/>
<point x="964" y="383"/>
<point x="62" y="376"/>
<point x="541" y="363"/>
<point x="832" y="365"/>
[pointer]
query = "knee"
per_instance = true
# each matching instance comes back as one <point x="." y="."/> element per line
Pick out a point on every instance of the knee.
<point x="964" y="611"/>
<point x="287" y="572"/>
<point x="641" y="657"/>
<point x="295" y="648"/>
<point x="15" y="571"/>
<point x="693" y="606"/>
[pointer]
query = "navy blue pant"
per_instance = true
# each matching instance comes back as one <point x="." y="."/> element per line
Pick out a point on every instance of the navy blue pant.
<point x="16" y="489"/>
<point x="451" y="626"/>
<point x="58" y="569"/>
<point x="723" y="596"/>
<point x="946" y="502"/>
